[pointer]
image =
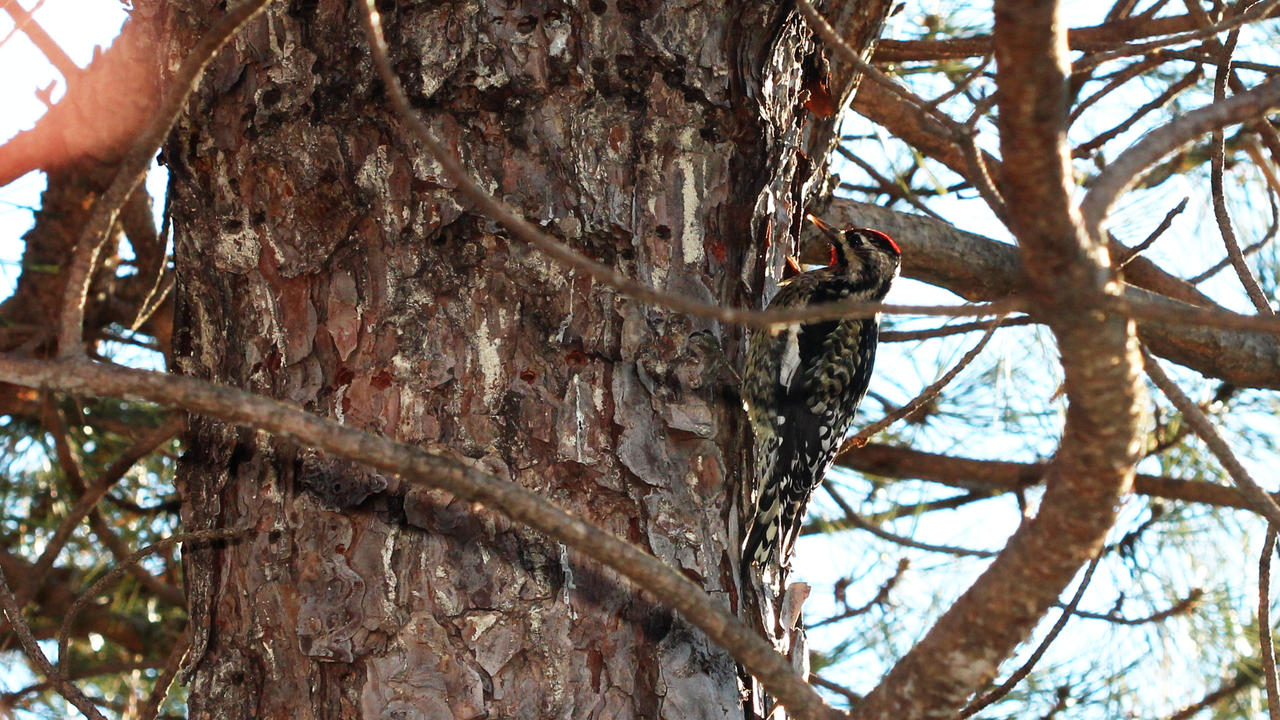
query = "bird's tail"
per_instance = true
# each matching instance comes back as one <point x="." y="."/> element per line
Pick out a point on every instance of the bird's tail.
<point x="762" y="535"/>
<point x="785" y="489"/>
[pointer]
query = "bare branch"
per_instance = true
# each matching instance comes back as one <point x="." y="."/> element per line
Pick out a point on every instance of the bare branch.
<point x="1182" y="607"/>
<point x="826" y="684"/>
<point x="151" y="708"/>
<point x="925" y="396"/>
<point x="1264" y="624"/>
<point x="1102" y="36"/>
<point x="1124" y="258"/>
<point x="1094" y="464"/>
<point x="948" y="330"/>
<point x="853" y="519"/>
<point x="1258" y="11"/>
<point x="1217" y="164"/>
<point x="407" y="466"/>
<point x="40" y="663"/>
<point x="1003" y="476"/>
<point x="880" y="598"/>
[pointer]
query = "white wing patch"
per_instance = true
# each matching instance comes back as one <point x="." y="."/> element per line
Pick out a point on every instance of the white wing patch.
<point x="790" y="357"/>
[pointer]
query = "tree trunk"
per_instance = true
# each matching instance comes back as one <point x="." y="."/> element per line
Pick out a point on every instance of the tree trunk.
<point x="323" y="259"/>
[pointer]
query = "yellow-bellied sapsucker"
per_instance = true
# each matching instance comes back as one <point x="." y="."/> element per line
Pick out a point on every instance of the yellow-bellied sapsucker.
<point x="803" y="383"/>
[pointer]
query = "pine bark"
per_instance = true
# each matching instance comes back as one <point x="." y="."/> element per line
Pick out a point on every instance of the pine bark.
<point x="323" y="259"/>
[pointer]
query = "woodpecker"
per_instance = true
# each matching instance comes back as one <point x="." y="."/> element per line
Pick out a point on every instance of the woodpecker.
<point x="803" y="382"/>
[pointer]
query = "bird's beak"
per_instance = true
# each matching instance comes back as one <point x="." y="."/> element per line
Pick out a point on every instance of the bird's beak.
<point x="825" y="228"/>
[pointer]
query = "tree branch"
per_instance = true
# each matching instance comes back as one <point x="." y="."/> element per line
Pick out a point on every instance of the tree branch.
<point x="1242" y="350"/>
<point x="986" y="699"/>
<point x="1084" y="38"/>
<point x="407" y="467"/>
<point x="1067" y="275"/>
<point x="39" y="660"/>
<point x="1003" y="476"/>
<point x="1264" y="624"/>
<point x="1121" y="173"/>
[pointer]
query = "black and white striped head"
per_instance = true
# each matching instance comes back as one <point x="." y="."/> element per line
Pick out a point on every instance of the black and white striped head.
<point x="863" y="254"/>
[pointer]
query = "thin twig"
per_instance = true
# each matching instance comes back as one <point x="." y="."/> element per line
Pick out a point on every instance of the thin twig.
<point x="1134" y="251"/>
<point x="925" y="396"/>
<point x="151" y="708"/>
<point x="133" y="168"/>
<point x="1120" y="174"/>
<point x="1181" y="607"/>
<point x="39" y="660"/>
<point x="852" y="518"/>
<point x="889" y="336"/>
<point x="1259" y="499"/>
<point x="880" y="598"/>
<point x="1264" y="624"/>
<point x="962" y="85"/>
<point x="1008" y="685"/>
<point x="100" y="585"/>
<point x="1217" y="164"/>
<point x="826" y="684"/>
<point x="499" y="212"/>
